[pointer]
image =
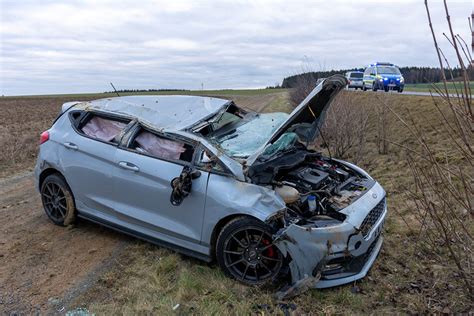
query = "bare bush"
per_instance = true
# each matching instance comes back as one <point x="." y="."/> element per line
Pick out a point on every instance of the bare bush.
<point x="345" y="127"/>
<point x="305" y="83"/>
<point x="442" y="190"/>
<point x="383" y="123"/>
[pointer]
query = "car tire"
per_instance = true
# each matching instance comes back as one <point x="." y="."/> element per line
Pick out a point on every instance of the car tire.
<point x="374" y="86"/>
<point x="364" y="87"/>
<point x="386" y="89"/>
<point x="400" y="90"/>
<point x="244" y="251"/>
<point x="58" y="201"/>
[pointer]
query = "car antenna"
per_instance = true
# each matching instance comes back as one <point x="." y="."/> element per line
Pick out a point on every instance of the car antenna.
<point x="114" y="88"/>
<point x="324" y="140"/>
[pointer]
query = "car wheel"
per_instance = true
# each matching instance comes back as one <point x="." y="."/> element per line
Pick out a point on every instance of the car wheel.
<point x="245" y="251"/>
<point x="374" y="86"/>
<point x="386" y="89"/>
<point x="58" y="201"/>
<point x="400" y="90"/>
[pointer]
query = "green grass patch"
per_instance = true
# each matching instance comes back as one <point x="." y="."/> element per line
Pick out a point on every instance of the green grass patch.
<point x="427" y="87"/>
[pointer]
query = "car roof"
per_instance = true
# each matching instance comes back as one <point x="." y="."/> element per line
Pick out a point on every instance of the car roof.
<point x="168" y="112"/>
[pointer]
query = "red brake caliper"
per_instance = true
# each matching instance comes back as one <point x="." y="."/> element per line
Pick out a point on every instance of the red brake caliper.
<point x="270" y="252"/>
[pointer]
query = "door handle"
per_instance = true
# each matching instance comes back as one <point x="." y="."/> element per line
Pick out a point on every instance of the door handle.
<point x="71" y="146"/>
<point x="128" y="166"/>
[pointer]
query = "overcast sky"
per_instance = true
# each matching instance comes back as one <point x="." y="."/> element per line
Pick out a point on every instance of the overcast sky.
<point x="80" y="46"/>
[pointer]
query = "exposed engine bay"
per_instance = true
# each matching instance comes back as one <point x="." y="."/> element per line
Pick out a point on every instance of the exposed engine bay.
<point x="315" y="188"/>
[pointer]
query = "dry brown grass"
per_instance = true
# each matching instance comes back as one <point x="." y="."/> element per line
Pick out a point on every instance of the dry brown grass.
<point x="151" y="279"/>
<point x="403" y="280"/>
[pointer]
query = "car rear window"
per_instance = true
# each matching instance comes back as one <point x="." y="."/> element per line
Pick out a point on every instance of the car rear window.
<point x="357" y="75"/>
<point x="103" y="128"/>
<point x="151" y="144"/>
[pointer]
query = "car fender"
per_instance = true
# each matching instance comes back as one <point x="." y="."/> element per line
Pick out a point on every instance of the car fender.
<point x="228" y="196"/>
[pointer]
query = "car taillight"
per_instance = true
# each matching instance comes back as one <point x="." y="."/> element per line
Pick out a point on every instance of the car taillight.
<point x="44" y="137"/>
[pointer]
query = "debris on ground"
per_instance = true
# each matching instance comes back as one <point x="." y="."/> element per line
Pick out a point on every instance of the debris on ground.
<point x="79" y="312"/>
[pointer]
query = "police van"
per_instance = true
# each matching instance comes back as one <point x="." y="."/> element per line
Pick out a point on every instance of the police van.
<point x="384" y="76"/>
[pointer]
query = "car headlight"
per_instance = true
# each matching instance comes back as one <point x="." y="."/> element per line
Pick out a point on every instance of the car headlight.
<point x="381" y="80"/>
<point x="402" y="80"/>
<point x="385" y="78"/>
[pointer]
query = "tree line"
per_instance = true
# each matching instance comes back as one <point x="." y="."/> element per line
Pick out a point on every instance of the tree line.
<point x="145" y="90"/>
<point x="410" y="74"/>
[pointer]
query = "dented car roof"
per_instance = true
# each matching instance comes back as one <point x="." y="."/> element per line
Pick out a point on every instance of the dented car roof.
<point x="176" y="112"/>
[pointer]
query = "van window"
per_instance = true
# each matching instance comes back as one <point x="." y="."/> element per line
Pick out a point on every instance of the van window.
<point x="160" y="147"/>
<point x="356" y="75"/>
<point x="367" y="71"/>
<point x="103" y="128"/>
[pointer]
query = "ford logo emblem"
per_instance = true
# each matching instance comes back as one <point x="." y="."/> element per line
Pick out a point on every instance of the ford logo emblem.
<point x="374" y="195"/>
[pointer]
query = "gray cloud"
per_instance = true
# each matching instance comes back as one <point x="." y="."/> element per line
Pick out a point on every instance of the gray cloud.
<point x="80" y="46"/>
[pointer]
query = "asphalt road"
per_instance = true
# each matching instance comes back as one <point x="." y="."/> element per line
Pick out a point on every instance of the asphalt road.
<point x="419" y="93"/>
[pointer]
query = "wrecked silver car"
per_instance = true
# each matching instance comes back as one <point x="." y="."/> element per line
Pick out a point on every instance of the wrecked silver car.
<point x="204" y="177"/>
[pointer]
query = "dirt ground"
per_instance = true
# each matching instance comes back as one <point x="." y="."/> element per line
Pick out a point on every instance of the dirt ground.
<point x="42" y="264"/>
<point x="45" y="267"/>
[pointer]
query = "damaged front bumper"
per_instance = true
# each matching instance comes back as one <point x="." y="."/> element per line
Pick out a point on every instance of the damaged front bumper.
<point x="322" y="257"/>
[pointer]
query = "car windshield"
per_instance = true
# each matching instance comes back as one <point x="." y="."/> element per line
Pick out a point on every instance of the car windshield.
<point x="357" y="75"/>
<point x="245" y="139"/>
<point x="388" y="70"/>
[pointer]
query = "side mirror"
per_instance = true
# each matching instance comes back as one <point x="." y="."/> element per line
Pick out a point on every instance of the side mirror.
<point x="182" y="185"/>
<point x="195" y="174"/>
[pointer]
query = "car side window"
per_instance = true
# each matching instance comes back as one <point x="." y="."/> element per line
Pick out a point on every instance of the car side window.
<point x="367" y="72"/>
<point x="209" y="162"/>
<point x="98" y="127"/>
<point x="160" y="147"/>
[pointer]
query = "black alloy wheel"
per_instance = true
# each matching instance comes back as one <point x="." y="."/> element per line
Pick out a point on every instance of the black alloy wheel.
<point x="245" y="251"/>
<point x="57" y="200"/>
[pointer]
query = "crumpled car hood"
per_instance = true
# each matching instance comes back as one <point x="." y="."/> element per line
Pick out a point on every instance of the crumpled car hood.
<point x="308" y="116"/>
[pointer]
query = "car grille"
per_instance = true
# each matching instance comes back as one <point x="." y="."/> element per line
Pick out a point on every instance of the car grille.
<point x="348" y="264"/>
<point x="372" y="218"/>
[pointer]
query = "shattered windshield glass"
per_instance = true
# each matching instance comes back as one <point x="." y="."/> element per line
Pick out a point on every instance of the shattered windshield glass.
<point x="284" y="143"/>
<point x="245" y="139"/>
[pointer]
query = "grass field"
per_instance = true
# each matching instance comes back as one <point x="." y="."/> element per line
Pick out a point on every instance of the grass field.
<point x="426" y="87"/>
<point x="224" y="92"/>
<point x="149" y="279"/>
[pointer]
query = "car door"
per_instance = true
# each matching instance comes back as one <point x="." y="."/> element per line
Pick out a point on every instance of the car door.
<point x="144" y="170"/>
<point x="87" y="160"/>
<point x="368" y="77"/>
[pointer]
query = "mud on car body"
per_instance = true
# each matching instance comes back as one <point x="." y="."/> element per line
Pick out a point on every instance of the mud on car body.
<point x="204" y="177"/>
